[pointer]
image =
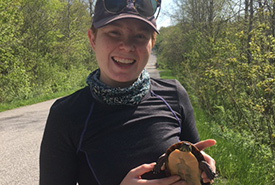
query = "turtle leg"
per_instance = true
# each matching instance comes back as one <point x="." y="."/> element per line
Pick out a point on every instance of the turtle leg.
<point x="204" y="166"/>
<point x="160" y="163"/>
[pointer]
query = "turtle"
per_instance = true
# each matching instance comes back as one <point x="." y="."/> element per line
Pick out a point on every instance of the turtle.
<point x="186" y="160"/>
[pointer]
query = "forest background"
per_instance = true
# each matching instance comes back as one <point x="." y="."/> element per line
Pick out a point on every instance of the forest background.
<point x="222" y="51"/>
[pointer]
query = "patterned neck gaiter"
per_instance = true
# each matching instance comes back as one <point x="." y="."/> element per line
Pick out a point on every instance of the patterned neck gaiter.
<point x="119" y="96"/>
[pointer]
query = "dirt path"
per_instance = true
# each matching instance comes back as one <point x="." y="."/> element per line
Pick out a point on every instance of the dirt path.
<point x="151" y="67"/>
<point x="21" y="132"/>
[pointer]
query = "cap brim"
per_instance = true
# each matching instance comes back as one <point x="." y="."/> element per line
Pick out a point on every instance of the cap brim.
<point x="116" y="17"/>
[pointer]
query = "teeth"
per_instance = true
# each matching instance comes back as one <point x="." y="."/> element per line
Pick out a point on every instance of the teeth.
<point x="123" y="60"/>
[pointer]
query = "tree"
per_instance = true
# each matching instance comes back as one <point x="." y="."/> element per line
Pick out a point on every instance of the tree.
<point x="224" y="56"/>
<point x="13" y="78"/>
<point x="44" y="47"/>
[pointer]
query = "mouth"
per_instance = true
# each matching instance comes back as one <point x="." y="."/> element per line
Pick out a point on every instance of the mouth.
<point x="125" y="61"/>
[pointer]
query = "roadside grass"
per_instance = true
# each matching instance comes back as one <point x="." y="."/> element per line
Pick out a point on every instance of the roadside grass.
<point x="166" y="74"/>
<point x="239" y="160"/>
<point x="44" y="97"/>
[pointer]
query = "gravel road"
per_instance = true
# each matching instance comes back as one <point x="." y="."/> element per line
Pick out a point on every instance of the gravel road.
<point x="21" y="131"/>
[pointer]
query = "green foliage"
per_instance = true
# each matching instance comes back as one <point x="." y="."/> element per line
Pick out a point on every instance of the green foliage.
<point x="12" y="72"/>
<point x="230" y="75"/>
<point x="239" y="160"/>
<point x="43" y="47"/>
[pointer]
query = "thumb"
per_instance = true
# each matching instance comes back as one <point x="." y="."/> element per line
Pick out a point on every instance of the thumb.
<point x="205" y="144"/>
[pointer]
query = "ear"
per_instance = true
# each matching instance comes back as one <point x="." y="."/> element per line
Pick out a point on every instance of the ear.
<point x="91" y="37"/>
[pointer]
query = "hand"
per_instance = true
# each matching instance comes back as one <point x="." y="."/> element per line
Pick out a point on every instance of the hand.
<point x="201" y="146"/>
<point x="134" y="177"/>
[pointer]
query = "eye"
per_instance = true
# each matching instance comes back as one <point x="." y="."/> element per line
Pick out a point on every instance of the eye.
<point x="142" y="37"/>
<point x="114" y="33"/>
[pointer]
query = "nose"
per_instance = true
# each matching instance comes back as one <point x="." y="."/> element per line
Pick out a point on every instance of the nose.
<point x="127" y="44"/>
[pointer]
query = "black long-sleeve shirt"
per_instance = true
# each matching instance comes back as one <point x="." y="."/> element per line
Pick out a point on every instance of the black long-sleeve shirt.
<point x="89" y="142"/>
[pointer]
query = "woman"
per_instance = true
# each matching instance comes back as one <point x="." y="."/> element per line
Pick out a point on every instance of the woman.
<point x="113" y="130"/>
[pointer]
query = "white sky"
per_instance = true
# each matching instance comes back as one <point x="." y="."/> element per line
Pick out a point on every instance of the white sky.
<point x="163" y="19"/>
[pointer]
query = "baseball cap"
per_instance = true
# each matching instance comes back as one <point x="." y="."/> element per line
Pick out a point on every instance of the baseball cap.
<point x="102" y="17"/>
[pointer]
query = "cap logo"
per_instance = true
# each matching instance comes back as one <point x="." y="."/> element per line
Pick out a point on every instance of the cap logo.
<point x="131" y="5"/>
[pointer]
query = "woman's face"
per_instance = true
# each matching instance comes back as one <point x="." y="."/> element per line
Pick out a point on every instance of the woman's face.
<point x="122" y="50"/>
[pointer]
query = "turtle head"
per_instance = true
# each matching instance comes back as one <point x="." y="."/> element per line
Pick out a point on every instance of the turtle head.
<point x="185" y="147"/>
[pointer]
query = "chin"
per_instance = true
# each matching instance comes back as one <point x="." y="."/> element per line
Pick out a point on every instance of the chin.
<point x="124" y="82"/>
<point x="125" y="78"/>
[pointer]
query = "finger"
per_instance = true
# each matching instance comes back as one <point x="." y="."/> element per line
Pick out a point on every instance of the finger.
<point x="212" y="165"/>
<point x="205" y="144"/>
<point x="134" y="177"/>
<point x="206" y="181"/>
<point x="204" y="177"/>
<point x="210" y="161"/>
<point x="172" y="180"/>
<point x="140" y="170"/>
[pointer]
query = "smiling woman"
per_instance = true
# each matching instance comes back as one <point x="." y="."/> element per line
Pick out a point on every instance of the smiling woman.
<point x="122" y="50"/>
<point x="113" y="130"/>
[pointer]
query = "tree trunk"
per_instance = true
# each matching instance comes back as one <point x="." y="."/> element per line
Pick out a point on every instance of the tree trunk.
<point x="273" y="20"/>
<point x="251" y="11"/>
<point x="246" y="3"/>
<point x="211" y="16"/>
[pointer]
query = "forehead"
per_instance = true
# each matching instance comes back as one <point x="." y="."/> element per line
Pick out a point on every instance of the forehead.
<point x="132" y="25"/>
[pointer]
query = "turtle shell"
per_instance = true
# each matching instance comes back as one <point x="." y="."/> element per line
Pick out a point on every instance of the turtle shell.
<point x="184" y="159"/>
<point x="195" y="151"/>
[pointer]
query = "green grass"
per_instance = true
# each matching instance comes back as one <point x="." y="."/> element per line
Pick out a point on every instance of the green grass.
<point x="167" y="74"/>
<point x="239" y="160"/>
<point x="19" y="103"/>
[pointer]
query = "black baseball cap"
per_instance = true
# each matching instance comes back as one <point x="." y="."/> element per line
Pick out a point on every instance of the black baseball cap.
<point x="102" y="17"/>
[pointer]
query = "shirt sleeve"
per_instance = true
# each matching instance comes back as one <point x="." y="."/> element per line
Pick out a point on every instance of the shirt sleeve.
<point x="58" y="159"/>
<point x="188" y="127"/>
